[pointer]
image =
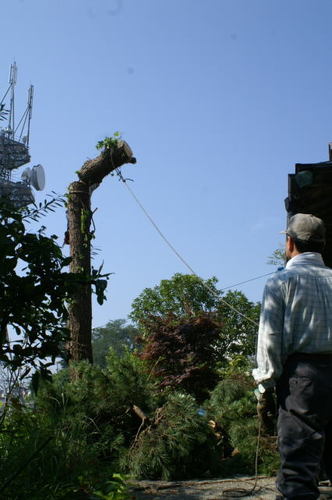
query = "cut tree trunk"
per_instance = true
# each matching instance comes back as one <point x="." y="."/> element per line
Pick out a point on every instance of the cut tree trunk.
<point x="79" y="215"/>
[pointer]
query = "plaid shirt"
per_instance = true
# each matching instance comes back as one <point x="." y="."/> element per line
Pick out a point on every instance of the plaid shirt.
<point x="296" y="315"/>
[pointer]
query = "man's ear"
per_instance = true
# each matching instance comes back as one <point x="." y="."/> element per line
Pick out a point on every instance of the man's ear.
<point x="290" y="244"/>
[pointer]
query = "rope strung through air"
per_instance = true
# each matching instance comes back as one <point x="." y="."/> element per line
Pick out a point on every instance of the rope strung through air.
<point x="169" y="244"/>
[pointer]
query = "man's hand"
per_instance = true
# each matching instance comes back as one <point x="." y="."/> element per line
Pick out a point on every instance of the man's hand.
<point x="266" y="411"/>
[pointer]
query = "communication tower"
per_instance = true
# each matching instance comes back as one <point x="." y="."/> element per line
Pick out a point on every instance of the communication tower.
<point x="14" y="149"/>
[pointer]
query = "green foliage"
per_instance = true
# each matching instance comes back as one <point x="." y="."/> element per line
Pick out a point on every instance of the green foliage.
<point x="99" y="283"/>
<point x="70" y="441"/>
<point x="57" y="456"/>
<point x="278" y="257"/>
<point x="82" y="428"/>
<point x="34" y="288"/>
<point x="131" y="384"/>
<point x="36" y="211"/>
<point x="81" y="397"/>
<point x="48" y="440"/>
<point x="233" y="399"/>
<point x="233" y="405"/>
<point x="72" y="436"/>
<point x="109" y="142"/>
<point x="238" y="334"/>
<point x="181" y="298"/>
<point x="115" y="489"/>
<point x="115" y="334"/>
<point x="188" y="330"/>
<point x="239" y="363"/>
<point x="178" y="444"/>
<point x="103" y="399"/>
<point x="128" y="414"/>
<point x="185" y="297"/>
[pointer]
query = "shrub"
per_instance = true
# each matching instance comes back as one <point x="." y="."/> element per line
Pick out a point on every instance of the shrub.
<point x="40" y="460"/>
<point x="69" y="441"/>
<point x="177" y="444"/>
<point x="233" y="406"/>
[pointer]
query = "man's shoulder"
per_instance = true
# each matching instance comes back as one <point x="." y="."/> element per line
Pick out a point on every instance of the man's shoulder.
<point x="277" y="281"/>
<point x="280" y="275"/>
<point x="293" y="272"/>
<point x="286" y="274"/>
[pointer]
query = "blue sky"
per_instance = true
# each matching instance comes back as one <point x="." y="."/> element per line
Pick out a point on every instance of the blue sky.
<point x="218" y="100"/>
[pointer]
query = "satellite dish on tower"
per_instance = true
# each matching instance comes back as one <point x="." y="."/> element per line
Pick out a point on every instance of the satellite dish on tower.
<point x="37" y="178"/>
<point x="34" y="176"/>
<point x="26" y="174"/>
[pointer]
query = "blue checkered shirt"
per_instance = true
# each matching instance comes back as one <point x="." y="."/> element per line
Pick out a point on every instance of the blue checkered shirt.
<point x="296" y="315"/>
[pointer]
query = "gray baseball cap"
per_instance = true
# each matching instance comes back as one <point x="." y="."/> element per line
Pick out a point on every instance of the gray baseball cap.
<point x="306" y="227"/>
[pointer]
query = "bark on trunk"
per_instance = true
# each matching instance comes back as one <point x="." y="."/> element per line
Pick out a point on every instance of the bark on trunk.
<point x="79" y="220"/>
<point x="80" y="309"/>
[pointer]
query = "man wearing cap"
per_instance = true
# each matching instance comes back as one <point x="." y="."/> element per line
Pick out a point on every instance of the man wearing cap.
<point x="294" y="355"/>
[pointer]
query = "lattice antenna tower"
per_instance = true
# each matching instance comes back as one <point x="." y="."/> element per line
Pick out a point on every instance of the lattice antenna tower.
<point x="14" y="148"/>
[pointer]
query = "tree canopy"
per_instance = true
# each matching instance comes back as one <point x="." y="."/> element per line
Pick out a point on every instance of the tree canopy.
<point x="116" y="334"/>
<point x="188" y="330"/>
<point x="182" y="297"/>
<point x="239" y="325"/>
<point x="185" y="297"/>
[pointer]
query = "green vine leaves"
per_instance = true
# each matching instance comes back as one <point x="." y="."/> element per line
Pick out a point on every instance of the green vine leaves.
<point x="109" y="142"/>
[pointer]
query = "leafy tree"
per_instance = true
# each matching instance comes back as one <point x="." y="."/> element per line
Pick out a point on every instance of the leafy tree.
<point x="116" y="334"/>
<point x="182" y="297"/>
<point x="184" y="356"/>
<point x="186" y="297"/>
<point x="34" y="288"/>
<point x="239" y="325"/>
<point x="188" y="331"/>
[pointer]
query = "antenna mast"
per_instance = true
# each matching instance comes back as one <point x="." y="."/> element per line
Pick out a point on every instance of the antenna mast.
<point x="12" y="84"/>
<point x="29" y="113"/>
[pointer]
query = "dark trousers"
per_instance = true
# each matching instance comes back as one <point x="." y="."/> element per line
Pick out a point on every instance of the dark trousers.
<point x="304" y="394"/>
